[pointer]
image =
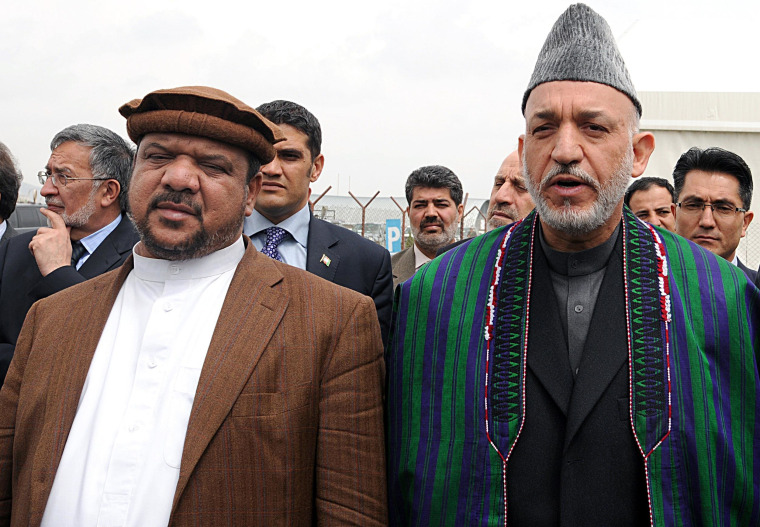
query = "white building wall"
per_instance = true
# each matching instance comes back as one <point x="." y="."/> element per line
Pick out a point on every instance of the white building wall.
<point x="680" y="120"/>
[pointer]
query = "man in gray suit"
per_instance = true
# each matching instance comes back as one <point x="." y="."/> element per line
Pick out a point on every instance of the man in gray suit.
<point x="10" y="181"/>
<point x="434" y="194"/>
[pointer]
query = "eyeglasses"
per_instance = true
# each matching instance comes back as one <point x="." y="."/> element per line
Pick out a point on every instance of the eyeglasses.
<point x="719" y="210"/>
<point x="61" y="180"/>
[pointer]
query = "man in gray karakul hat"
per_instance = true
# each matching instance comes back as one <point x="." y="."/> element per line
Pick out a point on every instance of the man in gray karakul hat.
<point x="575" y="368"/>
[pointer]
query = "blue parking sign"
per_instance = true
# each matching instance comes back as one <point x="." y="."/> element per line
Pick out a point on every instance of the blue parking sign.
<point x="393" y="235"/>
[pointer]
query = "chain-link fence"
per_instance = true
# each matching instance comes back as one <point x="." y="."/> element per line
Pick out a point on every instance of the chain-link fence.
<point x="367" y="215"/>
<point x="749" y="247"/>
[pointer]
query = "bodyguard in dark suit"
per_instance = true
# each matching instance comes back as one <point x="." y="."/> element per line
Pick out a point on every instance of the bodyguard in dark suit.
<point x="713" y="189"/>
<point x="10" y="181"/>
<point x="89" y="232"/>
<point x="343" y="257"/>
<point x="283" y="227"/>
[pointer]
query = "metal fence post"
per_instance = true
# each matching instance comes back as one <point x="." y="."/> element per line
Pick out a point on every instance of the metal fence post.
<point x="461" y="223"/>
<point x="312" y="203"/>
<point x="403" y="222"/>
<point x="474" y="208"/>
<point x="363" y="207"/>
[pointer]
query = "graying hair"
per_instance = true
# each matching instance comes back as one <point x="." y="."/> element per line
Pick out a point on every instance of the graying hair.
<point x="111" y="156"/>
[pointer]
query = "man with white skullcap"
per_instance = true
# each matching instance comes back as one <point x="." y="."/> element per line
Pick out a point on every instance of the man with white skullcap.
<point x="580" y="367"/>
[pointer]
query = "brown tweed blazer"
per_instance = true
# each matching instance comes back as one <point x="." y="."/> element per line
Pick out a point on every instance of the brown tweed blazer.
<point x="286" y="427"/>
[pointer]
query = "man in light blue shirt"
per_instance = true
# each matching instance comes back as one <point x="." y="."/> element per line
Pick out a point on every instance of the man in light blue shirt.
<point x="292" y="248"/>
<point x="84" y="185"/>
<point x="283" y="227"/>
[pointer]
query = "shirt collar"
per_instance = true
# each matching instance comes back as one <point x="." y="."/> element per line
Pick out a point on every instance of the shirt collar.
<point x="297" y="225"/>
<point x="214" y="264"/>
<point x="93" y="241"/>
<point x="419" y="258"/>
<point x="580" y="263"/>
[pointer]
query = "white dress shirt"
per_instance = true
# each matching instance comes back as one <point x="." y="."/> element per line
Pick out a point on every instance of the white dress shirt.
<point x="420" y="258"/>
<point x="120" y="465"/>
<point x="293" y="248"/>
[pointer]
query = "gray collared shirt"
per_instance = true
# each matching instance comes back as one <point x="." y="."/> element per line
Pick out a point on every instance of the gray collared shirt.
<point x="577" y="278"/>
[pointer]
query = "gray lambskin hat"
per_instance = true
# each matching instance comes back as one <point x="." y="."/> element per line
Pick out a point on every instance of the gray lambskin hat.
<point x="581" y="47"/>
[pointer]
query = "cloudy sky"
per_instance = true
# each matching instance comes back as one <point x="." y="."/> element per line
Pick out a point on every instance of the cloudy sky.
<point x="396" y="84"/>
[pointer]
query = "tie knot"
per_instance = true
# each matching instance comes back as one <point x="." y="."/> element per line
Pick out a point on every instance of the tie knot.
<point x="275" y="235"/>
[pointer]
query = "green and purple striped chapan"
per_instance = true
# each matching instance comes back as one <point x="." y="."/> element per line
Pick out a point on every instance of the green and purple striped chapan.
<point x="456" y="388"/>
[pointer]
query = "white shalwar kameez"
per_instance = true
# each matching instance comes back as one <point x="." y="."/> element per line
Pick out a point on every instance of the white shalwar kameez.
<point x="120" y="465"/>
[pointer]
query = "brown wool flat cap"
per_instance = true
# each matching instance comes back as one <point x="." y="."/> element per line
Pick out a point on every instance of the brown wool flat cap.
<point x="204" y="112"/>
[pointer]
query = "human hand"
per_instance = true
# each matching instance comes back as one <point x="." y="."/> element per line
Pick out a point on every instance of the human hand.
<point x="51" y="246"/>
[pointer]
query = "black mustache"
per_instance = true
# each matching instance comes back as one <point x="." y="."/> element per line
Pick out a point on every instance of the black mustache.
<point x="175" y="197"/>
<point x="425" y="223"/>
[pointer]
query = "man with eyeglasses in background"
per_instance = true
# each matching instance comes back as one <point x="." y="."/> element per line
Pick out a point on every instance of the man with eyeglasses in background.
<point x="713" y="195"/>
<point x="84" y="185"/>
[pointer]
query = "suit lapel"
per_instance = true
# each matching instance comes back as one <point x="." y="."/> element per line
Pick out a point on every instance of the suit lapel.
<point x="110" y="251"/>
<point x="9" y="232"/>
<point x="405" y="268"/>
<point x="547" y="350"/>
<point x="321" y="259"/>
<point x="252" y="301"/>
<point x="606" y="349"/>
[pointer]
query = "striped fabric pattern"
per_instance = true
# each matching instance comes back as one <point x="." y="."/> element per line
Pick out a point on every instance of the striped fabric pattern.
<point x="694" y="381"/>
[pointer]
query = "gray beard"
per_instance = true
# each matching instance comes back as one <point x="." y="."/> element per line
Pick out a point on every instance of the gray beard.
<point x="79" y="218"/>
<point x="579" y="222"/>
<point x="433" y="242"/>
<point x="494" y="222"/>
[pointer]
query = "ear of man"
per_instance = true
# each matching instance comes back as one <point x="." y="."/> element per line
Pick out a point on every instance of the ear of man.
<point x="316" y="168"/>
<point x="747" y="220"/>
<point x="109" y="192"/>
<point x="643" y="146"/>
<point x="253" y="189"/>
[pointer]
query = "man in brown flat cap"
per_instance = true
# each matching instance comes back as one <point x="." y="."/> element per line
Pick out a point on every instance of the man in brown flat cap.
<point x="205" y="386"/>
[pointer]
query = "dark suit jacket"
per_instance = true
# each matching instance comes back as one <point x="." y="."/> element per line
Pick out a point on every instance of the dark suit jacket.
<point x="751" y="274"/>
<point x="21" y="283"/>
<point x="354" y="262"/>
<point x="10" y="232"/>
<point x="286" y="426"/>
